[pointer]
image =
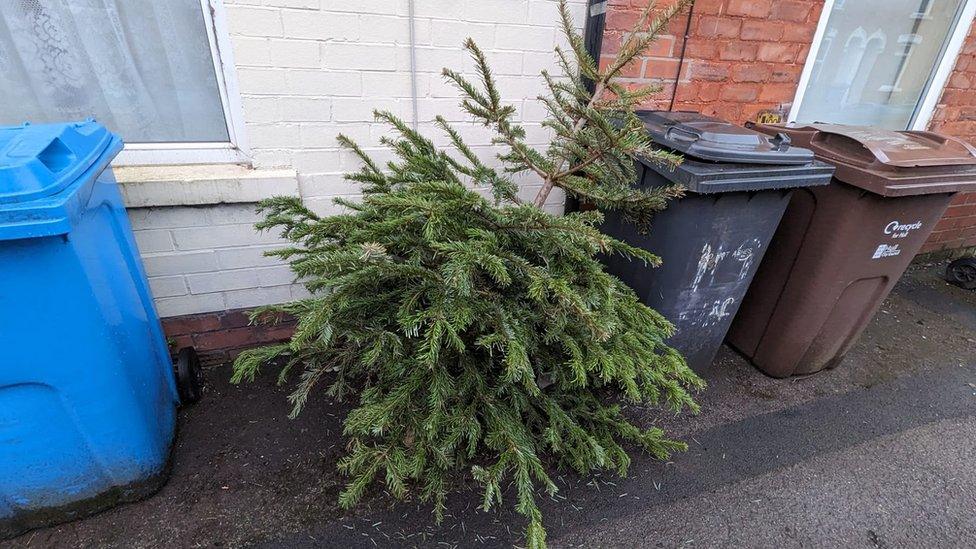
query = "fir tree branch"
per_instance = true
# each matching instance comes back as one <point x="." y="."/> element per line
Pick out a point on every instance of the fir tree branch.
<point x="635" y="44"/>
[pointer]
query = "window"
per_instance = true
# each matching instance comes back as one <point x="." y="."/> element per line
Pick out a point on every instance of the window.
<point x="147" y="69"/>
<point x="881" y="62"/>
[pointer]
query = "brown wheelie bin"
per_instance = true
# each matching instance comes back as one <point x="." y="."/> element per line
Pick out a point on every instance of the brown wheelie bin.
<point x="840" y="248"/>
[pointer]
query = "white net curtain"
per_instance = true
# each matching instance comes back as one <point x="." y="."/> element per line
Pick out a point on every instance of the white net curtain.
<point x="141" y="67"/>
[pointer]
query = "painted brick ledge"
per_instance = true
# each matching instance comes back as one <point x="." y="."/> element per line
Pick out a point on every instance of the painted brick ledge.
<point x="220" y="336"/>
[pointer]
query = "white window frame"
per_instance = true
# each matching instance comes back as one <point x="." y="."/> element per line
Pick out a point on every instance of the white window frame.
<point x="937" y="81"/>
<point x="233" y="151"/>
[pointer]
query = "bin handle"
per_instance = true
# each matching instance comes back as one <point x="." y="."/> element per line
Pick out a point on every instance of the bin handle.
<point x="938" y="137"/>
<point x="865" y="153"/>
<point x="781" y="141"/>
<point x="693" y="134"/>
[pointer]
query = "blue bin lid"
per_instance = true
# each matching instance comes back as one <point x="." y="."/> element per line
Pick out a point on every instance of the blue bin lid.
<point x="38" y="160"/>
<point x="47" y="173"/>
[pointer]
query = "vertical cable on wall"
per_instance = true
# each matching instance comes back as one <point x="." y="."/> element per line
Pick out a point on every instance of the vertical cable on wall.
<point x="681" y="57"/>
<point x="413" y="63"/>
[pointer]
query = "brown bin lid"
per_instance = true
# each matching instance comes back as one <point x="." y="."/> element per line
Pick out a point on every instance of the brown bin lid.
<point x="887" y="162"/>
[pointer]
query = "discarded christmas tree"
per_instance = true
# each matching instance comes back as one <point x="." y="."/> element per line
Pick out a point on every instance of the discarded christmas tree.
<point x="481" y="335"/>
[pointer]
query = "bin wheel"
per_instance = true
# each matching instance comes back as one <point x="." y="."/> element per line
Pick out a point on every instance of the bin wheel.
<point x="188" y="375"/>
<point x="962" y="273"/>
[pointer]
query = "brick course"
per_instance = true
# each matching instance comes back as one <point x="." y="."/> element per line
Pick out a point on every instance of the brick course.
<point x="220" y="336"/>
<point x="741" y="56"/>
<point x="209" y="258"/>
<point x="955" y="115"/>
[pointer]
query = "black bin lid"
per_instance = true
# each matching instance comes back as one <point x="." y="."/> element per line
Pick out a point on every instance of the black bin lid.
<point x="707" y="138"/>
<point x="702" y="177"/>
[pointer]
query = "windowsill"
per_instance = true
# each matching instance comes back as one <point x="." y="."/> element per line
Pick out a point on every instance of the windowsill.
<point x="202" y="184"/>
<point x="178" y="154"/>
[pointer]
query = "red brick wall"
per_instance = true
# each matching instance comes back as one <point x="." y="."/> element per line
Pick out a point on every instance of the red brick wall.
<point x="219" y="337"/>
<point x="745" y="56"/>
<point x="741" y="57"/>
<point x="957" y="229"/>
<point x="956" y="115"/>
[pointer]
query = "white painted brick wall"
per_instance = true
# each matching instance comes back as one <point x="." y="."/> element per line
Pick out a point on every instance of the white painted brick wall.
<point x="308" y="70"/>
<point x="210" y="258"/>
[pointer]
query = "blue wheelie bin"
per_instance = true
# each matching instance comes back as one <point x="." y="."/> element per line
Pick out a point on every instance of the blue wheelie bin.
<point x="87" y="391"/>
